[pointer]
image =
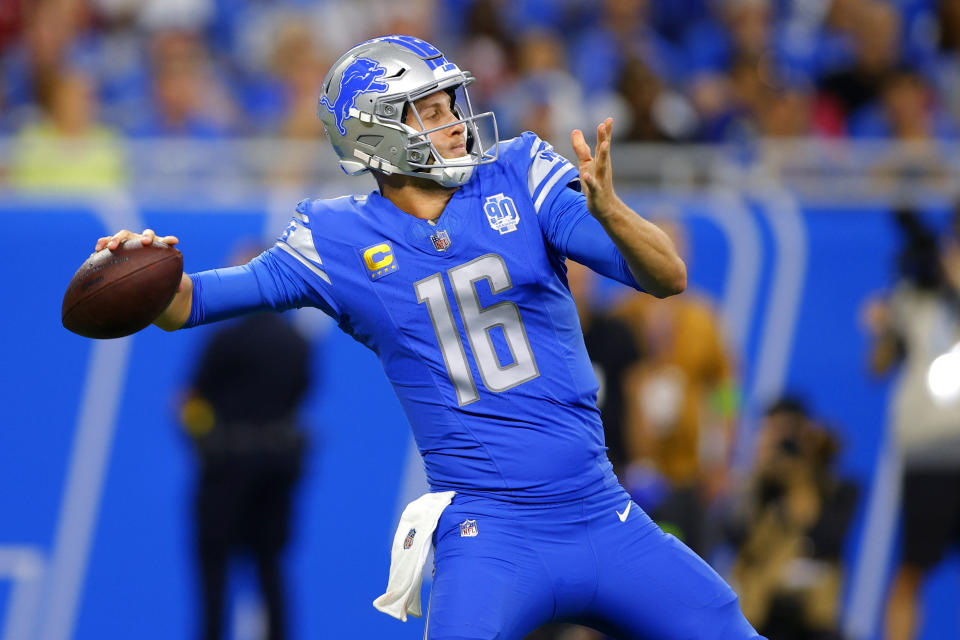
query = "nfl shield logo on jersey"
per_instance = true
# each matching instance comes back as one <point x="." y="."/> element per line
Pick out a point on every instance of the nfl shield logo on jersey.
<point x="408" y="541"/>
<point x="501" y="213"/>
<point x="441" y="240"/>
<point x="468" y="529"/>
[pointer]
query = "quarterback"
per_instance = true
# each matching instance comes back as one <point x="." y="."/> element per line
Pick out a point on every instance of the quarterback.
<point x="453" y="272"/>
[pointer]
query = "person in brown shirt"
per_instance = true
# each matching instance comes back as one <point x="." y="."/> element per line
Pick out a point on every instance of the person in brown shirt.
<point x="685" y="395"/>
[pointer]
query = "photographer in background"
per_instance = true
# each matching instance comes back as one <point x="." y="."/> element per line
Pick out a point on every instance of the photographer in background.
<point x="917" y="329"/>
<point x="789" y="526"/>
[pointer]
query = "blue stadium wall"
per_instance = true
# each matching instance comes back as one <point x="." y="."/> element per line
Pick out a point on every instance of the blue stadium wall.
<point x="95" y="473"/>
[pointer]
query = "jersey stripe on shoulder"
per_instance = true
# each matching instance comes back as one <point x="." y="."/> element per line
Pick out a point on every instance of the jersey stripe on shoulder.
<point x="546" y="168"/>
<point x="537" y="146"/>
<point x="297" y="240"/>
<point x="566" y="173"/>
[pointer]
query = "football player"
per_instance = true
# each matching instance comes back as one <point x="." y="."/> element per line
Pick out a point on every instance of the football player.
<point x="453" y="272"/>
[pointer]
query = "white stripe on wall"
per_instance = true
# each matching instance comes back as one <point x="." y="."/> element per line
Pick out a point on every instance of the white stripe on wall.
<point x="780" y="319"/>
<point x="728" y="211"/>
<point x="24" y="566"/>
<point x="869" y="574"/>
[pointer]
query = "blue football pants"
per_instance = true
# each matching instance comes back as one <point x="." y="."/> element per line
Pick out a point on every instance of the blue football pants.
<point x="529" y="564"/>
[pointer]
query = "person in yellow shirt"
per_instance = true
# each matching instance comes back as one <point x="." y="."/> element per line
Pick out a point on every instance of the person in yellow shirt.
<point x="68" y="150"/>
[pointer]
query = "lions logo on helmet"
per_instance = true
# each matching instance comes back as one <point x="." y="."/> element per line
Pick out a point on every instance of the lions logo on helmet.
<point x="360" y="77"/>
<point x="369" y="90"/>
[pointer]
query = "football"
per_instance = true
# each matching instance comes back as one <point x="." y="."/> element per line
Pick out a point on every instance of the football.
<point x="116" y="293"/>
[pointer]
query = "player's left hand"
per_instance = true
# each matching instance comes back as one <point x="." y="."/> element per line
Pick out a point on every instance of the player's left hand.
<point x="596" y="173"/>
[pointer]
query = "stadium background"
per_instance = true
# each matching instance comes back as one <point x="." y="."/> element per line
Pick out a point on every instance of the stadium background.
<point x="787" y="196"/>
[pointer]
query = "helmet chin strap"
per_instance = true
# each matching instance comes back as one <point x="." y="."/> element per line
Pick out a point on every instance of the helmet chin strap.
<point x="455" y="171"/>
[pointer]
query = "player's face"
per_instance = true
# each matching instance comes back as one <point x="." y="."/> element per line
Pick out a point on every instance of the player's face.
<point x="435" y="111"/>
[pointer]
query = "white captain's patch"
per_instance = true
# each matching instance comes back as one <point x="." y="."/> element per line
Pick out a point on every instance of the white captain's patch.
<point x="547" y="167"/>
<point x="297" y="240"/>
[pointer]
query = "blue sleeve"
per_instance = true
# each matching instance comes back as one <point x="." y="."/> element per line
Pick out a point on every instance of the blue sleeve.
<point x="268" y="282"/>
<point x="576" y="234"/>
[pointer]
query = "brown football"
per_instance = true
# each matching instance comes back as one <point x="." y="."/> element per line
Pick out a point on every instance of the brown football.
<point x="116" y="293"/>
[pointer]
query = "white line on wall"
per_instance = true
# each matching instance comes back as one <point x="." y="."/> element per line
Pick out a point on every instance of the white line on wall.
<point x="783" y="306"/>
<point x="24" y="565"/>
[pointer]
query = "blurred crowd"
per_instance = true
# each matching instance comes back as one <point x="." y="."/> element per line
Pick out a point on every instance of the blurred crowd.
<point x="667" y="70"/>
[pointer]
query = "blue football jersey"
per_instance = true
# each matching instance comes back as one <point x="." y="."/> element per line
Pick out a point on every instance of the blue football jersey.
<point x="473" y="322"/>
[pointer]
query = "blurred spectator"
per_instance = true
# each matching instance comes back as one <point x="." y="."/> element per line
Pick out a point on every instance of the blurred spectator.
<point x="28" y="67"/>
<point x="654" y="113"/>
<point x="615" y="357"/>
<point x="727" y="105"/>
<point x="686" y="398"/>
<point x="834" y="44"/>
<point x="298" y="67"/>
<point x="766" y="56"/>
<point x="738" y="29"/>
<point x="907" y="110"/>
<point x="753" y="101"/>
<point x="119" y="60"/>
<point x="789" y="526"/>
<point x="486" y="19"/>
<point x="946" y="61"/>
<point x="188" y="98"/>
<point x="784" y="119"/>
<point x="489" y="51"/>
<point x="875" y="30"/>
<point x="490" y="64"/>
<point x="918" y="329"/>
<point x="241" y="413"/>
<point x="623" y="31"/>
<point x="68" y="150"/>
<point x="786" y="113"/>
<point x="544" y="98"/>
<point x="908" y="115"/>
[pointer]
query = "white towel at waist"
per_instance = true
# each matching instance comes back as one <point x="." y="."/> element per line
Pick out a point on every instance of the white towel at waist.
<point x="411" y="544"/>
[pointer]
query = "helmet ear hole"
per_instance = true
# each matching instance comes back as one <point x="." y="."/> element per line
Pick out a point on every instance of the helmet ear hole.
<point x="370" y="140"/>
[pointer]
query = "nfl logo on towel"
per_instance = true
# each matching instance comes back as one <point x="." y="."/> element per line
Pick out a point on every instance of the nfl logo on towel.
<point x="468" y="529"/>
<point x="408" y="541"/>
<point x="441" y="240"/>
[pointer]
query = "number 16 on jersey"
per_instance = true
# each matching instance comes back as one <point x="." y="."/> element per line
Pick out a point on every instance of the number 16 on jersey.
<point x="478" y="322"/>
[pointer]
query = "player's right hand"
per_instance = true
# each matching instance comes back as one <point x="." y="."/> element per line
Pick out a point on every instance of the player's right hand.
<point x="147" y="238"/>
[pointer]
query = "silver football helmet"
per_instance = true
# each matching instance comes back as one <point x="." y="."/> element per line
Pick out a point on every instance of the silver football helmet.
<point x="369" y="91"/>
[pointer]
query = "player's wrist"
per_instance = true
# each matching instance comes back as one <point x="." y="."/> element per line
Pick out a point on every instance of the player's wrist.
<point x="178" y="311"/>
<point x="610" y="209"/>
